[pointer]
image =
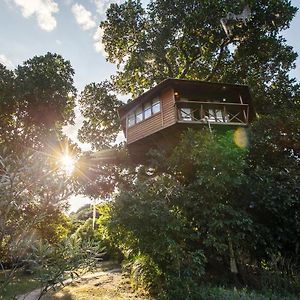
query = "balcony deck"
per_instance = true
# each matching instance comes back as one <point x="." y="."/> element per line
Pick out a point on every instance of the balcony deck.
<point x="219" y="113"/>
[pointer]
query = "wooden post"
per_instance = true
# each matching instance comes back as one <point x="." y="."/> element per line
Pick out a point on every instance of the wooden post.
<point x="245" y="114"/>
<point x="201" y="112"/>
<point x="247" y="120"/>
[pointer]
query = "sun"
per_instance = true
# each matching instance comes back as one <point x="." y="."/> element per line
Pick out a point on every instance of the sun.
<point x="68" y="164"/>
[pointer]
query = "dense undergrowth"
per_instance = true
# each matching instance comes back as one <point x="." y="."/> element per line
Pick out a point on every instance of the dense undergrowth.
<point x="209" y="213"/>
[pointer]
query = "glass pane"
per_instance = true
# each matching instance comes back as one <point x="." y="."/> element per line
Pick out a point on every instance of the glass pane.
<point x="147" y="113"/>
<point x="219" y="115"/>
<point x="131" y="120"/>
<point x="211" y="115"/>
<point x="186" y="114"/>
<point x="147" y="110"/>
<point x="139" y="115"/>
<point x="155" y="106"/>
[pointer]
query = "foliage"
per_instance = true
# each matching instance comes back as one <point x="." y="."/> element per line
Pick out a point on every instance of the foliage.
<point x="272" y="186"/>
<point x="204" y="207"/>
<point x="13" y="283"/>
<point x="33" y="193"/>
<point x="99" y="107"/>
<point x="36" y="100"/>
<point x="7" y="100"/>
<point x="98" y="176"/>
<point x="281" y="274"/>
<point x="86" y="232"/>
<point x="53" y="225"/>
<point x="52" y="265"/>
<point x="45" y="84"/>
<point x="183" y="39"/>
<point x="214" y="165"/>
<point x="143" y="273"/>
<point x="82" y="214"/>
<point x="221" y="293"/>
<point x="165" y="218"/>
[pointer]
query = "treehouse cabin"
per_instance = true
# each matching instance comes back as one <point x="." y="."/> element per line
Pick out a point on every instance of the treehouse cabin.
<point x="157" y="117"/>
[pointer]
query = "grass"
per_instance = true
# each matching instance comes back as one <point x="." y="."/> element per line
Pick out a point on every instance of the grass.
<point x="18" y="284"/>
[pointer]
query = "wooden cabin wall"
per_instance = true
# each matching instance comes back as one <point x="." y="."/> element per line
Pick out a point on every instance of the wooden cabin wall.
<point x="165" y="118"/>
<point x="168" y="108"/>
<point x="144" y="128"/>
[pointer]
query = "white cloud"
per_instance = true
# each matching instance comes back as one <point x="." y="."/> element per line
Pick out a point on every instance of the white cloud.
<point x="67" y="2"/>
<point x="6" y="62"/>
<point x="83" y="17"/>
<point x="103" y="5"/>
<point x="99" y="47"/>
<point x="43" y="10"/>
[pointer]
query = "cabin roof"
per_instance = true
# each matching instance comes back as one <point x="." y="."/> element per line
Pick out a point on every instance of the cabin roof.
<point x="215" y="87"/>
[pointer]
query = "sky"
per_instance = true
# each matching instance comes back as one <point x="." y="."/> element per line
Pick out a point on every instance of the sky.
<point x="70" y="28"/>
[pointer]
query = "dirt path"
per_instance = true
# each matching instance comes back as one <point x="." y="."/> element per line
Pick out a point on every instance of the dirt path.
<point x="107" y="285"/>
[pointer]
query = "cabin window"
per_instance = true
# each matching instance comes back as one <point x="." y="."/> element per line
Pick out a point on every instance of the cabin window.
<point x="139" y="115"/>
<point x="131" y="120"/>
<point x="143" y="112"/>
<point x="147" y="110"/>
<point x="155" y="106"/>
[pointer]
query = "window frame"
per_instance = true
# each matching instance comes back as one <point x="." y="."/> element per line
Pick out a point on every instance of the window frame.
<point x="155" y="102"/>
<point x="147" y="109"/>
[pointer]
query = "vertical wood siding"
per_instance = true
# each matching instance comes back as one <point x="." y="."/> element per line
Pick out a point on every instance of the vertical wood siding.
<point x="168" y="109"/>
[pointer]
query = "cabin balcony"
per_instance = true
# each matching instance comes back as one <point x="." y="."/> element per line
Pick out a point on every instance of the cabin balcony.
<point x="215" y="113"/>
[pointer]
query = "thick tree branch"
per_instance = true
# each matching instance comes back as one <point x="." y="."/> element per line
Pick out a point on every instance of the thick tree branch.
<point x="218" y="62"/>
<point x="189" y="62"/>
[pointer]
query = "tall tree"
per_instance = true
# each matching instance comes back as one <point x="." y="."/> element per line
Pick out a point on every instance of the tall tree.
<point x="99" y="106"/>
<point x="185" y="39"/>
<point x="7" y="101"/>
<point x="36" y="100"/>
<point x="33" y="187"/>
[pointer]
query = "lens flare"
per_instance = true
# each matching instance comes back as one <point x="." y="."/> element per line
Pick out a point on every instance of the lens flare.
<point x="68" y="164"/>
<point x="240" y="138"/>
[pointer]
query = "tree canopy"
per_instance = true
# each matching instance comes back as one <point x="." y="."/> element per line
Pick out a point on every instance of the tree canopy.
<point x="99" y="107"/>
<point x="36" y="100"/>
<point x="184" y="39"/>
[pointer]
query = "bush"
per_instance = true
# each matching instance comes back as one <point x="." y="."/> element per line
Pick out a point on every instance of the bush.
<point x="192" y="212"/>
<point x="51" y="265"/>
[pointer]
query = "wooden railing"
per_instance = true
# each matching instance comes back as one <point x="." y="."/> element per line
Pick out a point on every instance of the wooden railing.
<point x="212" y="112"/>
